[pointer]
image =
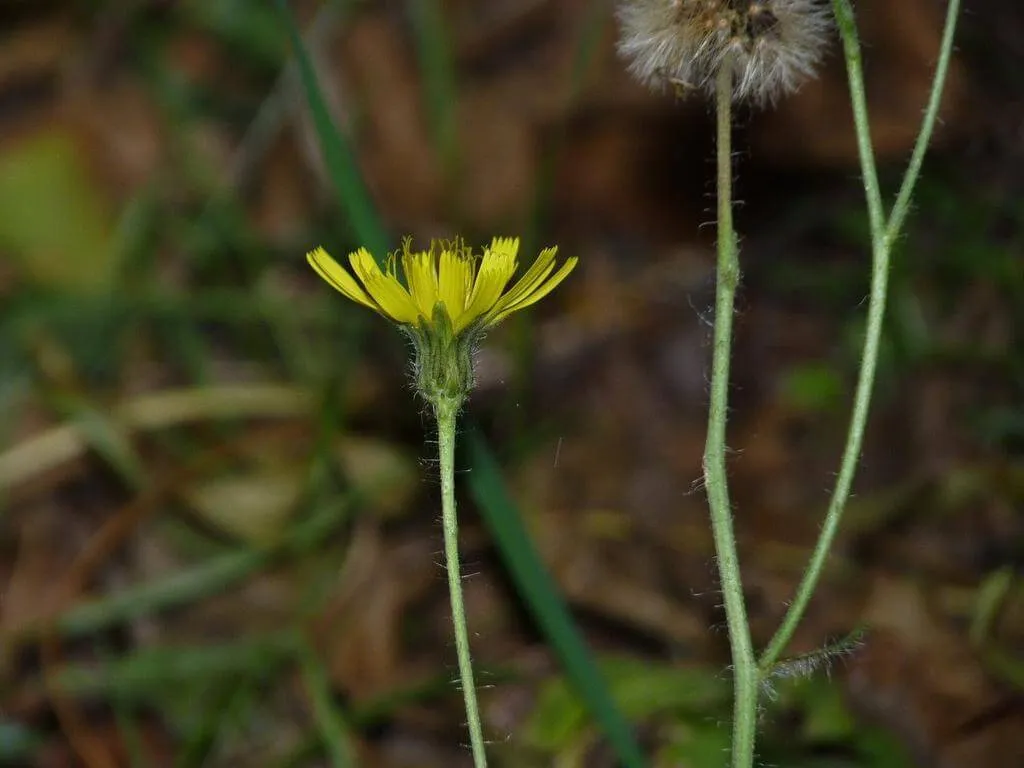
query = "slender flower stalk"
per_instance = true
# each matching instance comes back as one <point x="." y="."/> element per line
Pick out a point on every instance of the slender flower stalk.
<point x="745" y="674"/>
<point x="449" y="298"/>
<point x="446" y="416"/>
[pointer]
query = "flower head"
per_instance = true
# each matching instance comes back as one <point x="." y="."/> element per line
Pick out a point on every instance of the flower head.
<point x="770" y="45"/>
<point x="449" y="297"/>
<point x="469" y="289"/>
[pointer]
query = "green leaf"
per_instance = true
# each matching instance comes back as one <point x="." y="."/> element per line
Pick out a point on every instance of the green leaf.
<point x="696" y="745"/>
<point x="813" y="387"/>
<point x="52" y="217"/>
<point x="641" y="689"/>
<point x="249" y="28"/>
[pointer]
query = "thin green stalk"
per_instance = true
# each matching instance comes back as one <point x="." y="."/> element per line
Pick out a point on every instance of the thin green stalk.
<point x="931" y="113"/>
<point x="446" y="413"/>
<point x="745" y="674"/>
<point x="883" y="234"/>
<point x="847" y="24"/>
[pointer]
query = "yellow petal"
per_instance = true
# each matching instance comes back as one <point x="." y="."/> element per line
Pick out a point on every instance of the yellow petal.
<point x="390" y="295"/>
<point x="508" y="246"/>
<point x="421" y="275"/>
<point x="455" y="277"/>
<point x="338" y="277"/>
<point x="496" y="269"/>
<point x="539" y="292"/>
<point x="526" y="284"/>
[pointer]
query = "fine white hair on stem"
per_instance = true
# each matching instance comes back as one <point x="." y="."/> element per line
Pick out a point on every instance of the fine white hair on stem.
<point x="772" y="46"/>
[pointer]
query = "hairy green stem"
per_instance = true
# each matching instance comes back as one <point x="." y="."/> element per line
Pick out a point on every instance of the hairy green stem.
<point x="931" y="114"/>
<point x="745" y="674"/>
<point x="883" y="234"/>
<point x="847" y="24"/>
<point x="446" y="412"/>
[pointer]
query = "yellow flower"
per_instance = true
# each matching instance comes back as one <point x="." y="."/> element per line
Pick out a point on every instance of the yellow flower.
<point x="468" y="290"/>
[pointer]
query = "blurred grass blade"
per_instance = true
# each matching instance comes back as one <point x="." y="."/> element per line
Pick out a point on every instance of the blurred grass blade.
<point x="541" y="594"/>
<point x="200" y="581"/>
<point x="110" y="440"/>
<point x="147" y="671"/>
<point x="434" y="54"/>
<point x="333" y="729"/>
<point x="338" y="155"/>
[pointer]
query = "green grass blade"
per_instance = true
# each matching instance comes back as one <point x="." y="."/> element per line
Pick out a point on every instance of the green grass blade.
<point x="334" y="731"/>
<point x="434" y="55"/>
<point x="538" y="589"/>
<point x="338" y="154"/>
<point x="146" y="673"/>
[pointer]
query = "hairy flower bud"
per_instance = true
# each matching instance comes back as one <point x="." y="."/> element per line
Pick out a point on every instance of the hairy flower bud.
<point x="771" y="46"/>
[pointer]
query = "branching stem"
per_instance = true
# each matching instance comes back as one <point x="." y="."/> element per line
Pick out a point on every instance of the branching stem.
<point x="883" y="235"/>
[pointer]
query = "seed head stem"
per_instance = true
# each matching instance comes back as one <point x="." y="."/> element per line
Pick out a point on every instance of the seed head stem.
<point x="745" y="673"/>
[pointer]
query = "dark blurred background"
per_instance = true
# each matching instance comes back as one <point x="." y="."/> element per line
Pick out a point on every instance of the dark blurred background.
<point x="218" y="505"/>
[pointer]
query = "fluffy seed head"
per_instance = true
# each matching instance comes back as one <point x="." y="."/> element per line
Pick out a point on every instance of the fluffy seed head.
<point x="770" y="45"/>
